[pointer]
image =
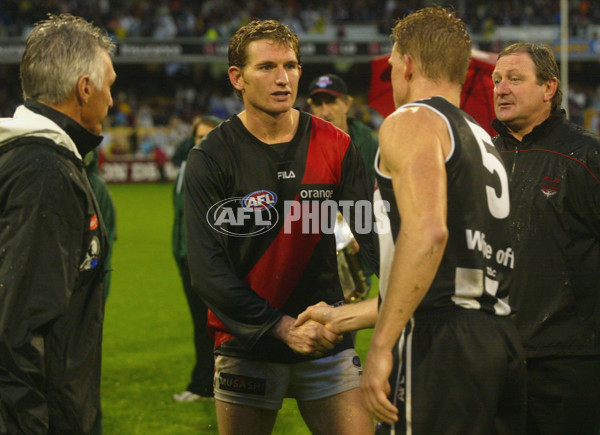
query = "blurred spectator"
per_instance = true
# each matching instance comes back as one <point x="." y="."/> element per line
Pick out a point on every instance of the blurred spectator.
<point x="201" y="384"/>
<point x="218" y="18"/>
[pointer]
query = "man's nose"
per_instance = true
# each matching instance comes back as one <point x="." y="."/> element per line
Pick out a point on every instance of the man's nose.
<point x="502" y="87"/>
<point x="282" y="75"/>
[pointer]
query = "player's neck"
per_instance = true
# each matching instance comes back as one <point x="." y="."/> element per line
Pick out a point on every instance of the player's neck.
<point x="427" y="89"/>
<point x="271" y="128"/>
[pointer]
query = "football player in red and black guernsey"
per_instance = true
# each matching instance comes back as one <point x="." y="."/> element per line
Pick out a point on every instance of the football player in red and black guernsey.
<point x="261" y="192"/>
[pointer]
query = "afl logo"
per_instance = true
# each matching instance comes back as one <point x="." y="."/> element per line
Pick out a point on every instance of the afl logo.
<point x="252" y="215"/>
<point x="259" y="200"/>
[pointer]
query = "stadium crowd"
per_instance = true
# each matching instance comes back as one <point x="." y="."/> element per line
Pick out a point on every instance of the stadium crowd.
<point x="219" y="18"/>
<point x="169" y="95"/>
<point x="263" y="291"/>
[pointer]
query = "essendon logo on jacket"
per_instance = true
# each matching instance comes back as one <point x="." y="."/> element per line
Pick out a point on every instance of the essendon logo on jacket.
<point x="550" y="186"/>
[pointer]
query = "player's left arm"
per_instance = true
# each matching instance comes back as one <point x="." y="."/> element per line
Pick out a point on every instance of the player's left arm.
<point x="414" y="157"/>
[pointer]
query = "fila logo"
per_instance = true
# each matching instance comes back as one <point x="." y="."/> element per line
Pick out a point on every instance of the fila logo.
<point x="285" y="175"/>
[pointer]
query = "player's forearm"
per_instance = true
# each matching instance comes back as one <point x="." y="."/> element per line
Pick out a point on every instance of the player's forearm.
<point x="280" y="330"/>
<point x="416" y="260"/>
<point x="352" y="317"/>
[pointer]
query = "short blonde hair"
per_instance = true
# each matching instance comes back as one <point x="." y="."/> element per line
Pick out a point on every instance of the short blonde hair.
<point x="438" y="40"/>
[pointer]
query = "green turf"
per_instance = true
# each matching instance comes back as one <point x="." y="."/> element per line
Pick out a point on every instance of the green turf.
<point x="148" y="350"/>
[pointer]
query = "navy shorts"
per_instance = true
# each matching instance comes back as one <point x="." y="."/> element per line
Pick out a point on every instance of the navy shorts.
<point x="459" y="371"/>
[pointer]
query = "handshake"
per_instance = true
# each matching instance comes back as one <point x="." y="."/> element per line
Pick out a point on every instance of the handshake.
<point x="320" y="327"/>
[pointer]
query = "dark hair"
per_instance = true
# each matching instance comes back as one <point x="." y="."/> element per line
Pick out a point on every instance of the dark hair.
<point x="544" y="61"/>
<point x="211" y="121"/>
<point x="438" y="40"/>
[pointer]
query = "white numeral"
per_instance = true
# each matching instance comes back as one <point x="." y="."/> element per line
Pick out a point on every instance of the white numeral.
<point x="499" y="205"/>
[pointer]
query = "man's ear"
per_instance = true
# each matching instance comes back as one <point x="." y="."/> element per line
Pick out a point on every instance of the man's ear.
<point x="409" y="66"/>
<point x="236" y="78"/>
<point x="84" y="89"/>
<point x="347" y="99"/>
<point x="550" y="88"/>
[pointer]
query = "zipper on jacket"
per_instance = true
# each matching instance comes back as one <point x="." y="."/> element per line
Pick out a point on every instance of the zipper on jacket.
<point x="514" y="162"/>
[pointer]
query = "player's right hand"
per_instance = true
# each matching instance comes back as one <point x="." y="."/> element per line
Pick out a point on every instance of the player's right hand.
<point x="375" y="386"/>
<point x="310" y="338"/>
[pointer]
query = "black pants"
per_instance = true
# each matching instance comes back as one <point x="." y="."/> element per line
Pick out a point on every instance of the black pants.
<point x="563" y="395"/>
<point x="459" y="372"/>
<point x="202" y="375"/>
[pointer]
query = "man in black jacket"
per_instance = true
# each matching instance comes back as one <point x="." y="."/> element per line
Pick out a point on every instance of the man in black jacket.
<point x="53" y="243"/>
<point x="554" y="170"/>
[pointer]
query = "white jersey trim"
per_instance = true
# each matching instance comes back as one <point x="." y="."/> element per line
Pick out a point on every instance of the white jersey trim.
<point x="376" y="164"/>
<point x="451" y="153"/>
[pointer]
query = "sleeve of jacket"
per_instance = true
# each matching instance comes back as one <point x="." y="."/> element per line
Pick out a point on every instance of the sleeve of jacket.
<point x="245" y="314"/>
<point x="356" y="201"/>
<point x="41" y="239"/>
<point x="594" y="190"/>
<point x="588" y="197"/>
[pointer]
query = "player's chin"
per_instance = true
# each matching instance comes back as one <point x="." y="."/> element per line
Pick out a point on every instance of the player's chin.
<point x="279" y="108"/>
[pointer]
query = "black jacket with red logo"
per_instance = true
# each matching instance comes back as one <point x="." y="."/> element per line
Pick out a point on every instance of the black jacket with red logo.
<point x="53" y="247"/>
<point x="555" y="224"/>
<point x="258" y="247"/>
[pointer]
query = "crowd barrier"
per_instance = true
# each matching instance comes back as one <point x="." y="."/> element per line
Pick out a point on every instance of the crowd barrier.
<point x="136" y="170"/>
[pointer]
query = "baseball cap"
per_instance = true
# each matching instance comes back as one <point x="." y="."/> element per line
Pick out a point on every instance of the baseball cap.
<point x="329" y="84"/>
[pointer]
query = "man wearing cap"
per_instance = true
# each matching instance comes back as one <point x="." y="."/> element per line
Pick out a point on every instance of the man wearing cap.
<point x="328" y="98"/>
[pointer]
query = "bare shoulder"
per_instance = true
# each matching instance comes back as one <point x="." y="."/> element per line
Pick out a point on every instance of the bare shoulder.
<point x="411" y="128"/>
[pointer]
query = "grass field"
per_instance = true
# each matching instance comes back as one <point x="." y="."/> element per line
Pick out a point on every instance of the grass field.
<point x="148" y="350"/>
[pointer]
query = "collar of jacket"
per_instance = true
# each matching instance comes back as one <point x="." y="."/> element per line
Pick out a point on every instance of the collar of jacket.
<point x="538" y="132"/>
<point x="83" y="139"/>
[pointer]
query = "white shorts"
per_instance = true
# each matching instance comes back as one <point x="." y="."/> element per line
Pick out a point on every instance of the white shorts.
<point x="264" y="384"/>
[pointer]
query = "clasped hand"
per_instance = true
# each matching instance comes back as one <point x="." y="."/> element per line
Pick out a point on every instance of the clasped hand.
<point x="315" y="325"/>
<point x="310" y="334"/>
